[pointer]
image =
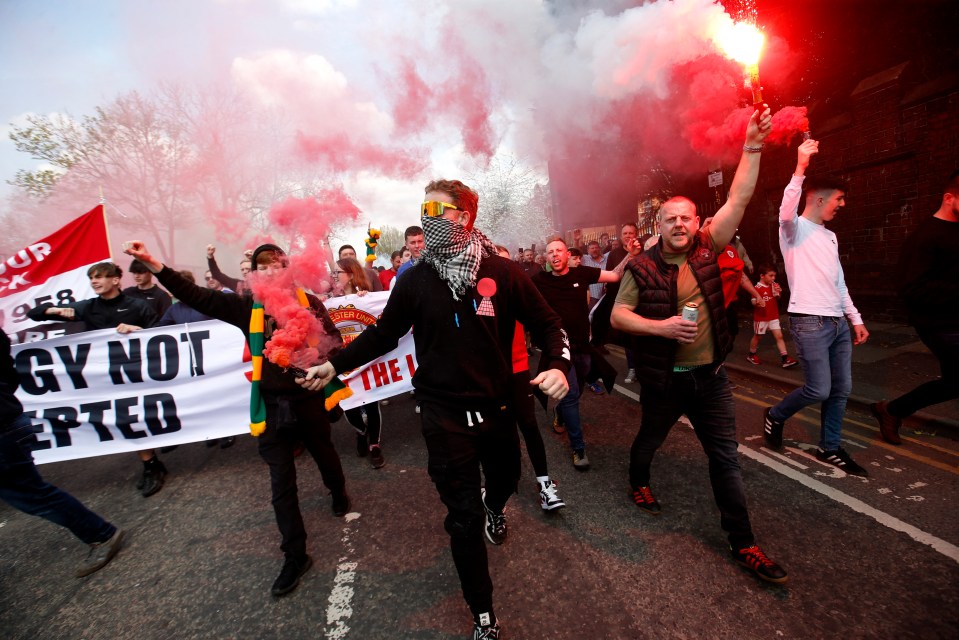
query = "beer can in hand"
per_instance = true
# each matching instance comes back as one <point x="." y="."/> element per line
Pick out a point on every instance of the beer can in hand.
<point x="691" y="311"/>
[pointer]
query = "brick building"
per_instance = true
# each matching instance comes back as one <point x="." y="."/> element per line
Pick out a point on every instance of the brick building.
<point x="894" y="140"/>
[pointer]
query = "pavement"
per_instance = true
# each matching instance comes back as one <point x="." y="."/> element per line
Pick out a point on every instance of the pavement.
<point x="891" y="362"/>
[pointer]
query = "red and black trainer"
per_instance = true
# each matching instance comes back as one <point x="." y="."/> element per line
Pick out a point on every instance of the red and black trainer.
<point x="754" y="559"/>
<point x="643" y="497"/>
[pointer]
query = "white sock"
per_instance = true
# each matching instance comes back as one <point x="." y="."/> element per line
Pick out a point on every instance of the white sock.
<point x="543" y="480"/>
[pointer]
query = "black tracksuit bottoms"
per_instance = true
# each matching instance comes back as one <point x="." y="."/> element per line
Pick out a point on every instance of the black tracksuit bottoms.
<point x="459" y="444"/>
<point x="289" y="422"/>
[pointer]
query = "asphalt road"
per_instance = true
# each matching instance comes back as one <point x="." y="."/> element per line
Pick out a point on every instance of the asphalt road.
<point x="867" y="558"/>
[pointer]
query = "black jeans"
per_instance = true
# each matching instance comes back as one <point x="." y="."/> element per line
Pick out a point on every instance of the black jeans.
<point x="704" y="396"/>
<point x="22" y="487"/>
<point x="944" y="344"/>
<point x="456" y="453"/>
<point x="374" y="421"/>
<point x="289" y="423"/>
<point x="525" y="409"/>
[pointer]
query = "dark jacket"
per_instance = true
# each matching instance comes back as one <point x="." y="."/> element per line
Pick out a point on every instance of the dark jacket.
<point x="235" y="309"/>
<point x="158" y="299"/>
<point x="657" y="280"/>
<point x="463" y="348"/>
<point x="10" y="407"/>
<point x="98" y="313"/>
<point x="239" y="286"/>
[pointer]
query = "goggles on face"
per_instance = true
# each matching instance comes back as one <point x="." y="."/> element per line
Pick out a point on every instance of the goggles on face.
<point x="434" y="209"/>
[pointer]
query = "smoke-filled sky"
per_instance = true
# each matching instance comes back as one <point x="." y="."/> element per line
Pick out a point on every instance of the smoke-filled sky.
<point x="381" y="96"/>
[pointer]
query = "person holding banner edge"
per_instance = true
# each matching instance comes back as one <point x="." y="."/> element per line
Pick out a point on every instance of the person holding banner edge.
<point x="293" y="415"/>
<point x="111" y="309"/>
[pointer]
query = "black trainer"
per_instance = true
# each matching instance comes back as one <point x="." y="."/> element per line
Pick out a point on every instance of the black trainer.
<point x="376" y="457"/>
<point x="759" y="563"/>
<point x="839" y="458"/>
<point x="341" y="504"/>
<point x="644" y="499"/>
<point x="773" y="431"/>
<point x="496" y="530"/>
<point x="154" y="474"/>
<point x="290" y="575"/>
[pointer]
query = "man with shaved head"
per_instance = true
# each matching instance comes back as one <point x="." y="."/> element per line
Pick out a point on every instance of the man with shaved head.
<point x="679" y="358"/>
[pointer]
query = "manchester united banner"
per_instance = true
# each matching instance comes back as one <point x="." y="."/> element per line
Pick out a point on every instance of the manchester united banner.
<point x="51" y="270"/>
<point x="387" y="376"/>
<point x="104" y="392"/>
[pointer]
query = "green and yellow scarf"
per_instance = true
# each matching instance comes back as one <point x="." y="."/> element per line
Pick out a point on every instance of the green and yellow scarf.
<point x="334" y="392"/>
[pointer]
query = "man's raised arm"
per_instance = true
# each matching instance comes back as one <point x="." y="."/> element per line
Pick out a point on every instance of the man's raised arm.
<point x="727" y="219"/>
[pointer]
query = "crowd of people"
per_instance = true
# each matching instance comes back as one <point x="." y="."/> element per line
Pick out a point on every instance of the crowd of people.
<point x="666" y="299"/>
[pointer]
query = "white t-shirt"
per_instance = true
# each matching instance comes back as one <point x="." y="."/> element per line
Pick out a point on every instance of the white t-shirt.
<point x="811" y="253"/>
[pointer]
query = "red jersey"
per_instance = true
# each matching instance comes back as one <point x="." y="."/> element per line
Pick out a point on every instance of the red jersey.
<point x="731" y="272"/>
<point x="771" y="310"/>
<point x="386" y="275"/>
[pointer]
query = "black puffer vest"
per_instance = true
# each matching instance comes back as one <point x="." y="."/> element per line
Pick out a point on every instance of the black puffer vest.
<point x="656" y="280"/>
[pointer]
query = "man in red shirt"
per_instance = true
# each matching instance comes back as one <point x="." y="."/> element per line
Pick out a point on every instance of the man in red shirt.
<point x="386" y="275"/>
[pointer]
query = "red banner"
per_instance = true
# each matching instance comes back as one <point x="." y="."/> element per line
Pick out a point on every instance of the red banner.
<point x="51" y="270"/>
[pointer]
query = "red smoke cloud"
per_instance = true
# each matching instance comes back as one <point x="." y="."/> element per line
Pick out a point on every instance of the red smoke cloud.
<point x="300" y="337"/>
<point x="341" y="154"/>
<point x="299" y="333"/>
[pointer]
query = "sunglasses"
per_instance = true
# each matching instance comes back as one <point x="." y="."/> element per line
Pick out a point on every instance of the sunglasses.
<point x="433" y="209"/>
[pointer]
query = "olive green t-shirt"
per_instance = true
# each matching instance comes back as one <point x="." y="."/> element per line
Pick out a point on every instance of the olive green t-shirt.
<point x="701" y="350"/>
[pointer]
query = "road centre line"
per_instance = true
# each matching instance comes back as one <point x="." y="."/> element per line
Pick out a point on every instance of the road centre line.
<point x="947" y="549"/>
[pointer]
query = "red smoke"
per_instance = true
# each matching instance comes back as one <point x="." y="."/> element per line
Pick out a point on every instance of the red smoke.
<point x="300" y="338"/>
<point x="341" y="154"/>
<point x="412" y="99"/>
<point x="298" y="331"/>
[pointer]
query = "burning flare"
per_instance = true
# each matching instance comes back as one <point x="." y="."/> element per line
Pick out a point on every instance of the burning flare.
<point x="743" y="42"/>
<point x="740" y="41"/>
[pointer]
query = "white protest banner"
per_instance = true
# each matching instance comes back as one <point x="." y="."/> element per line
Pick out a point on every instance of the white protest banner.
<point x="51" y="270"/>
<point x="103" y="392"/>
<point x="386" y="376"/>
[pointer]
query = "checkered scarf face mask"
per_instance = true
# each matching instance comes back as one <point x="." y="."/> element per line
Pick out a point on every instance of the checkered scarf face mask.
<point x="454" y="252"/>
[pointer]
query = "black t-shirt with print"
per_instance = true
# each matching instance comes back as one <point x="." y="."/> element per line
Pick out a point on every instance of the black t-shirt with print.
<point x="568" y="295"/>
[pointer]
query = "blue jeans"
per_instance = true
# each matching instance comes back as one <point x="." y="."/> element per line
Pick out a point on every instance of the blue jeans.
<point x="703" y="395"/>
<point x="22" y="487"/>
<point x="824" y="349"/>
<point x="568" y="407"/>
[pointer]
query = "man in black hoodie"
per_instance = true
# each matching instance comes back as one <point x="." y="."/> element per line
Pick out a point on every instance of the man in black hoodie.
<point x="147" y="290"/>
<point x="464" y="300"/>
<point x="293" y="415"/>
<point x="111" y="309"/>
<point x="22" y="487"/>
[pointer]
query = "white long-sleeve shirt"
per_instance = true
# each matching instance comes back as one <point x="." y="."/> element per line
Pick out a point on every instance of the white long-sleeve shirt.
<point x="811" y="253"/>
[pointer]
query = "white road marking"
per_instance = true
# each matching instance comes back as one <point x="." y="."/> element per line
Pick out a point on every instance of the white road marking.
<point x="626" y="392"/>
<point x="340" y="603"/>
<point x="916" y="485"/>
<point x="947" y="549"/>
<point x="798" y="465"/>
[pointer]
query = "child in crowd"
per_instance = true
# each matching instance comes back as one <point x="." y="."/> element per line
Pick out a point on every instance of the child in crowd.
<point x="767" y="317"/>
